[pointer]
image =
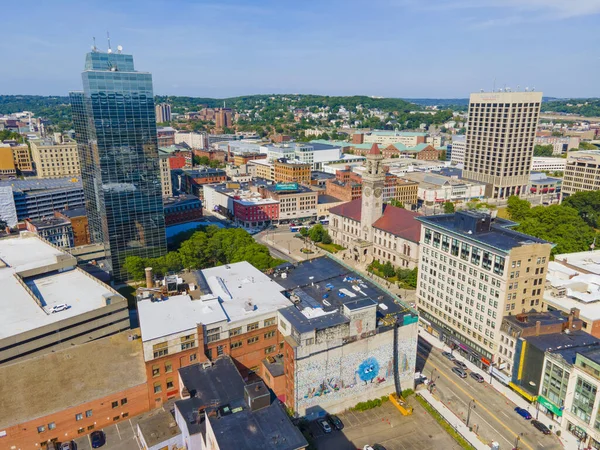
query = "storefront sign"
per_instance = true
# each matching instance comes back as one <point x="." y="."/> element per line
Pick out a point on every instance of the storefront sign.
<point x="549" y="406"/>
<point x="521" y="391"/>
<point x="485" y="361"/>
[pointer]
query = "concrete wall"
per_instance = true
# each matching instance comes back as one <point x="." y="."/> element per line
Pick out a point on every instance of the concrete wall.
<point x="338" y="378"/>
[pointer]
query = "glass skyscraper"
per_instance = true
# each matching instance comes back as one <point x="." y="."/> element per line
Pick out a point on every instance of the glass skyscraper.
<point x="115" y="128"/>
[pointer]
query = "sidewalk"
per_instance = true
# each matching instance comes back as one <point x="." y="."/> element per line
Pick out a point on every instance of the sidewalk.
<point x="454" y="421"/>
<point x="567" y="439"/>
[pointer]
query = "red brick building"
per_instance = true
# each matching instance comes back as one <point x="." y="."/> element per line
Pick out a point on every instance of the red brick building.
<point x="86" y="387"/>
<point x="213" y="155"/>
<point x="79" y="223"/>
<point x="182" y="209"/>
<point x="255" y="212"/>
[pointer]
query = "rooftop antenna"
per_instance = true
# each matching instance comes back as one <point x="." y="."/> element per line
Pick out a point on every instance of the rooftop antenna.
<point x="494" y="88"/>
<point x="94" y="48"/>
<point x="108" y="38"/>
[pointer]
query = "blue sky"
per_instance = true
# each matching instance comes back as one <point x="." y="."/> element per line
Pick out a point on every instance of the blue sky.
<point x="392" y="48"/>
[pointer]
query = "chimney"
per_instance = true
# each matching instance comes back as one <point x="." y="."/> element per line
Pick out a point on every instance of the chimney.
<point x="149" y="278"/>
<point x="575" y="313"/>
<point x="538" y="326"/>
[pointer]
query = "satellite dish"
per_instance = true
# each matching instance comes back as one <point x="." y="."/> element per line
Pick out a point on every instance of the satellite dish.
<point x="109" y="50"/>
<point x="119" y="48"/>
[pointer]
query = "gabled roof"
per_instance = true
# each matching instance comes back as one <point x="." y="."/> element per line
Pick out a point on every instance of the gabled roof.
<point x="397" y="221"/>
<point x="374" y="150"/>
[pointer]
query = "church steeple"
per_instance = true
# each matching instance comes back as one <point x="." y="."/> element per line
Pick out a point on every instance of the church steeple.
<point x="373" y="181"/>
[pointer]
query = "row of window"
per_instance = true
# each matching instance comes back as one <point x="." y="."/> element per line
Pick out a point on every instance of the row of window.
<point x="80" y="416"/>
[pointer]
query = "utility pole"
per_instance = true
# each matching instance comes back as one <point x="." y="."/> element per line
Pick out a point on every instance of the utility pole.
<point x="469" y="412"/>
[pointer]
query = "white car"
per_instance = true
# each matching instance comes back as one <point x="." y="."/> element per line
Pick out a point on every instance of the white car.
<point x="58" y="308"/>
<point x="367" y="447"/>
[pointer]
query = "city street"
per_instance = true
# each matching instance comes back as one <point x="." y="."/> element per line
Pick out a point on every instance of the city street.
<point x="493" y="416"/>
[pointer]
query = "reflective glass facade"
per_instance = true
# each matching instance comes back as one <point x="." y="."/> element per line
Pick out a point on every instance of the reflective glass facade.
<point x="115" y="129"/>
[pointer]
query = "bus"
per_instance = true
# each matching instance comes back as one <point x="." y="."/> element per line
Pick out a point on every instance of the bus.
<point x="297" y="228"/>
<point x="324" y="222"/>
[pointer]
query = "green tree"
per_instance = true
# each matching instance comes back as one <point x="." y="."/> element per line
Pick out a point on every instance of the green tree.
<point x="449" y="208"/>
<point x="559" y="224"/>
<point x="543" y="150"/>
<point x="135" y="267"/>
<point x="396" y="203"/>
<point x="316" y="233"/>
<point x="326" y="238"/>
<point x="587" y="146"/>
<point x="304" y="232"/>
<point x="388" y="270"/>
<point x="518" y="209"/>
<point x="587" y="205"/>
<point x="407" y="276"/>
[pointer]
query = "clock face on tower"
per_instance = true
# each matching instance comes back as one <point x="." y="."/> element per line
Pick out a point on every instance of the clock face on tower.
<point x="367" y="192"/>
<point x="378" y="192"/>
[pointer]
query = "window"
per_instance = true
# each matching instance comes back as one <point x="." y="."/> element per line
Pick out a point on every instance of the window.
<point x="123" y="401"/>
<point x="79" y="416"/>
<point x="237" y="344"/>
<point x="168" y="367"/>
<point x="157" y="388"/>
<point x="88" y="413"/>
<point x="41" y="429"/>
<point x="161" y="349"/>
<point x="269" y="322"/>
<point x="283" y="325"/>
<point x="170" y="383"/>
<point x="252" y="326"/>
<point x="51" y="425"/>
<point x="124" y="415"/>
<point x="253" y="340"/>
<point x="80" y="430"/>
<point x="115" y="404"/>
<point x="116" y="418"/>
<point x="91" y="427"/>
<point x="270" y="349"/>
<point x="193" y="357"/>
<point x="155" y="370"/>
<point x="269" y="335"/>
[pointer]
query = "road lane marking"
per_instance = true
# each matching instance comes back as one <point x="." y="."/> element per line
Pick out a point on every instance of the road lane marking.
<point x="540" y="444"/>
<point x="512" y="433"/>
<point x="118" y="432"/>
<point x="474" y="411"/>
<point x="505" y="414"/>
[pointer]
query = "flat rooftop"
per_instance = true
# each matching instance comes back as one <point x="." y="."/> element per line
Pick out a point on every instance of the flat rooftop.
<point x="37" y="184"/>
<point x="322" y="286"/>
<point x="584" y="261"/>
<point x="20" y="311"/>
<point x="232" y="292"/>
<point x="498" y="236"/>
<point x="559" y="341"/>
<point x="157" y="426"/>
<point x="528" y="320"/>
<point x="67" y="378"/>
<point x="221" y="387"/>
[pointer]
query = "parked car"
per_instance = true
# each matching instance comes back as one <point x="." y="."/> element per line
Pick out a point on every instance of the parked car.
<point x="58" y="308"/>
<point x="540" y="426"/>
<point x="325" y="426"/>
<point x="460" y="364"/>
<point x="458" y="371"/>
<point x="523" y="413"/>
<point x="98" y="439"/>
<point x="378" y="447"/>
<point x="67" y="446"/>
<point x="448" y="355"/>
<point x="477" y="377"/>
<point x="335" y="422"/>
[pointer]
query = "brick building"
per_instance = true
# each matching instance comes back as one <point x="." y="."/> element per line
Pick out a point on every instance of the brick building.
<point x="213" y="155"/>
<point x="182" y="209"/>
<point x="288" y="171"/>
<point x="166" y="136"/>
<point x="79" y="223"/>
<point x="232" y="311"/>
<point x="407" y="192"/>
<point x="241" y="159"/>
<point x="347" y="185"/>
<point x="56" y="230"/>
<point x="56" y="410"/>
<point x="193" y="180"/>
<point x="255" y="211"/>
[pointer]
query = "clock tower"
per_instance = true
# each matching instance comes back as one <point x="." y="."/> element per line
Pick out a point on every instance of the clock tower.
<point x="373" y="180"/>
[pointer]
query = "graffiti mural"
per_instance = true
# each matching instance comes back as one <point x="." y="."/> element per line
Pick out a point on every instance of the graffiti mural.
<point x="353" y="370"/>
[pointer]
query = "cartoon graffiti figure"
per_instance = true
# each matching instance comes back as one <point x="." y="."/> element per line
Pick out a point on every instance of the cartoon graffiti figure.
<point x="368" y="370"/>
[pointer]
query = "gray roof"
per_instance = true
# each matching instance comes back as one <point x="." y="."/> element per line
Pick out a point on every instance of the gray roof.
<point x="499" y="235"/>
<point x="560" y="341"/>
<point x="318" y="280"/>
<point x="36" y="184"/>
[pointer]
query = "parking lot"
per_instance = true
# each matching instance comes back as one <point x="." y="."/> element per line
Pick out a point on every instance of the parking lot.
<point x="120" y="436"/>
<point x="386" y="426"/>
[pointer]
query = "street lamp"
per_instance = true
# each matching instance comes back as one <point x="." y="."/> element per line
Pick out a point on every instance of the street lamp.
<point x="469" y="411"/>
<point x="537" y="405"/>
<point x="517" y="441"/>
<point x="432" y="380"/>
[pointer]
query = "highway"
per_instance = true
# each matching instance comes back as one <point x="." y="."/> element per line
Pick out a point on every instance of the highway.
<point x="493" y="416"/>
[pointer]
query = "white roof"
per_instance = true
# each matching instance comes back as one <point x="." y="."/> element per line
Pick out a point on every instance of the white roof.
<point x="20" y="311"/>
<point x="239" y="292"/>
<point x="586" y="261"/>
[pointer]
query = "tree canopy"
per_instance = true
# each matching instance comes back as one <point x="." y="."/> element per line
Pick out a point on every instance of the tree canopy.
<point x="560" y="224"/>
<point x="212" y="247"/>
<point x="587" y="205"/>
<point x="543" y="150"/>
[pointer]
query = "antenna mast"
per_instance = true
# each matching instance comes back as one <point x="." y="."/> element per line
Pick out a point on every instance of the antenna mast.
<point x="108" y="38"/>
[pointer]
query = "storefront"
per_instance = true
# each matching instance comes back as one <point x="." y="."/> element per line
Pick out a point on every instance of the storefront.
<point x="549" y="408"/>
<point x="522" y="392"/>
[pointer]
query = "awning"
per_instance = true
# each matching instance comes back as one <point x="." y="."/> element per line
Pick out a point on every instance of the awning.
<point x="500" y="376"/>
<point x="549" y="405"/>
<point x="521" y="391"/>
<point x="485" y="361"/>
